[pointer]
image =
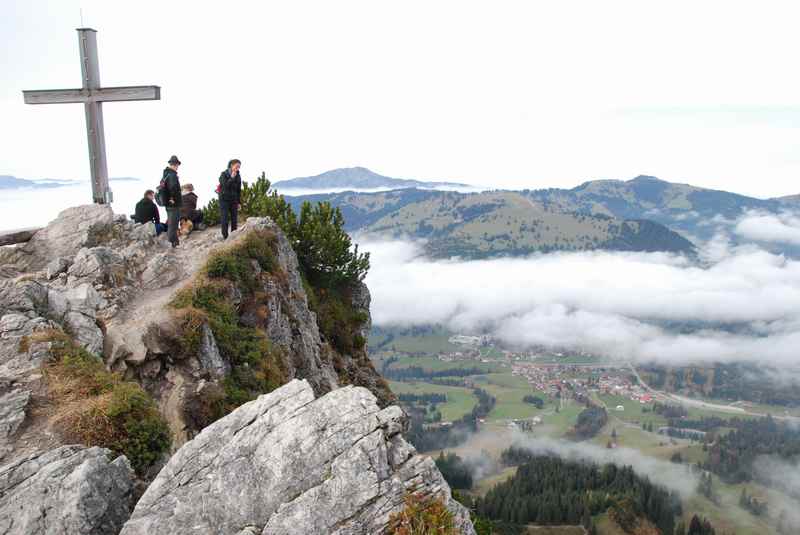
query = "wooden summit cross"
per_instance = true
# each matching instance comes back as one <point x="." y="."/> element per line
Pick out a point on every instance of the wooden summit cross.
<point x="92" y="96"/>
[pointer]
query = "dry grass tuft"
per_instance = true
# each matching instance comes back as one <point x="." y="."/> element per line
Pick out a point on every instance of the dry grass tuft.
<point x="422" y="515"/>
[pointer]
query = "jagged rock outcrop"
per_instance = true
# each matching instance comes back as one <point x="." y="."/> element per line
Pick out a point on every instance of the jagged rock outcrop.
<point x="288" y="463"/>
<point x="68" y="490"/>
<point x="140" y="339"/>
<point x="73" y="229"/>
<point x="109" y="284"/>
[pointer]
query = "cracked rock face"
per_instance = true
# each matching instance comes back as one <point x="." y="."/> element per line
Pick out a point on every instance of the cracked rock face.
<point x="73" y="229"/>
<point x="68" y="490"/>
<point x="287" y="463"/>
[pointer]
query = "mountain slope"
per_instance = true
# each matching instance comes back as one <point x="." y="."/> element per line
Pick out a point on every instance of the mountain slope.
<point x="110" y="338"/>
<point x="792" y="201"/>
<point x="682" y="207"/>
<point x="694" y="213"/>
<point x="487" y="224"/>
<point x="357" y="178"/>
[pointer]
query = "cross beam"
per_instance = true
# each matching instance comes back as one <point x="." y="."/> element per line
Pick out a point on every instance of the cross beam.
<point x="92" y="96"/>
<point x="82" y="96"/>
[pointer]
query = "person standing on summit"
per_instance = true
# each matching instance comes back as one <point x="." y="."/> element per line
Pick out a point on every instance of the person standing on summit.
<point x="172" y="198"/>
<point x="230" y="191"/>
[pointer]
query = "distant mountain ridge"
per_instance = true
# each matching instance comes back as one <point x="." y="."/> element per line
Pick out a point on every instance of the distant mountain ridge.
<point x="500" y="223"/>
<point x="790" y="200"/>
<point x="691" y="210"/>
<point x="12" y="182"/>
<point x="359" y="178"/>
<point x="598" y="214"/>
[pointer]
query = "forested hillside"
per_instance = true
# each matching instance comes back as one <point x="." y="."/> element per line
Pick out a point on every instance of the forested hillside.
<point x="479" y="225"/>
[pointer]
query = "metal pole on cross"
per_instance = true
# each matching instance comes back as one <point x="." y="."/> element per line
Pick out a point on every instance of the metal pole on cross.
<point x="92" y="96"/>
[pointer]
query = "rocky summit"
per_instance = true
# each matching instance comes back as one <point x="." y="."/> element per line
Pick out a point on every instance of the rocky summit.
<point x="212" y="380"/>
<point x="289" y="463"/>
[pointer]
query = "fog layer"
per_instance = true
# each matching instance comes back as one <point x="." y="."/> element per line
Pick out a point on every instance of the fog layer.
<point x="737" y="303"/>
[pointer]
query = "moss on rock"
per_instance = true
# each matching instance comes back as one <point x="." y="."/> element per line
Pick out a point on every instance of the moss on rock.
<point x="97" y="408"/>
<point x="256" y="366"/>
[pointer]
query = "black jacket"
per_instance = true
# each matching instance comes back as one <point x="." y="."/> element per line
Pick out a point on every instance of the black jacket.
<point x="173" y="188"/>
<point x="230" y="187"/>
<point x="188" y="205"/>
<point x="146" y="211"/>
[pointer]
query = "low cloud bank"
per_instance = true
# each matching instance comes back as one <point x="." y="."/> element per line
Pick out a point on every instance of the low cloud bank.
<point x="779" y="474"/>
<point x="784" y="477"/>
<point x="766" y="227"/>
<point x="743" y="303"/>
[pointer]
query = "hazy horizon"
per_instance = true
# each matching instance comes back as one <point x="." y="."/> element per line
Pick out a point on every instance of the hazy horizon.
<point x="515" y="96"/>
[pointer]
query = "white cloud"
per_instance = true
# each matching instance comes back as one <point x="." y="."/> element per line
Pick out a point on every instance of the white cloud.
<point x="766" y="227"/>
<point x="619" y="304"/>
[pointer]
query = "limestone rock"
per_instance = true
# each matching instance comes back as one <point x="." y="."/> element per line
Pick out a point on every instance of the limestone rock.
<point x="23" y="311"/>
<point x="12" y="411"/>
<point x="68" y="490"/>
<point x="287" y="463"/>
<point x="211" y="360"/>
<point x="101" y="265"/>
<point x="144" y="231"/>
<point x="57" y="266"/>
<point x="75" y="309"/>
<point x="73" y="229"/>
<point x="162" y="270"/>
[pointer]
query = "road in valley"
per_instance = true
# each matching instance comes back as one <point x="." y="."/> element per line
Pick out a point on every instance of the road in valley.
<point x="682" y="400"/>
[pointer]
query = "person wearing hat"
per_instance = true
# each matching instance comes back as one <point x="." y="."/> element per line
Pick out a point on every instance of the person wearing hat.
<point x="172" y="198"/>
<point x="189" y="206"/>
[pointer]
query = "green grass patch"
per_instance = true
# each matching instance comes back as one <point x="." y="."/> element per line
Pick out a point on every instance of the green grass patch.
<point x="97" y="408"/>
<point x="434" y="364"/>
<point x="634" y="411"/>
<point x="429" y="343"/>
<point x="240" y="263"/>
<point x="460" y="401"/>
<point x="557" y="424"/>
<point x="212" y="300"/>
<point x="509" y="390"/>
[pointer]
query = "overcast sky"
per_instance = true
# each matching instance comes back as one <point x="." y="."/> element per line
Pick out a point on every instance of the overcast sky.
<point x="500" y="94"/>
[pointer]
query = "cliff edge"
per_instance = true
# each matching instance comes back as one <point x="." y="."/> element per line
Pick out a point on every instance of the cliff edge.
<point x="111" y="339"/>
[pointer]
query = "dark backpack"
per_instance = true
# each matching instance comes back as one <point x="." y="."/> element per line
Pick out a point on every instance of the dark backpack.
<point x="162" y="194"/>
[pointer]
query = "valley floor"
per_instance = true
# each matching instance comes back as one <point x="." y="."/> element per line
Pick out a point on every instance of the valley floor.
<point x="558" y="415"/>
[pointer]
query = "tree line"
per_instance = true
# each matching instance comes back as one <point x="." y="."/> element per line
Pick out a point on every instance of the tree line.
<point x="418" y="372"/>
<point x="327" y="256"/>
<point x="590" y="421"/>
<point x="448" y="436"/>
<point x="549" y="490"/>
<point x="427" y="398"/>
<point x="731" y="456"/>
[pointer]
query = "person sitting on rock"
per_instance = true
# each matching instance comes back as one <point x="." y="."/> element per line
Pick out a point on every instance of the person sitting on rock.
<point x="147" y="211"/>
<point x="189" y="209"/>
